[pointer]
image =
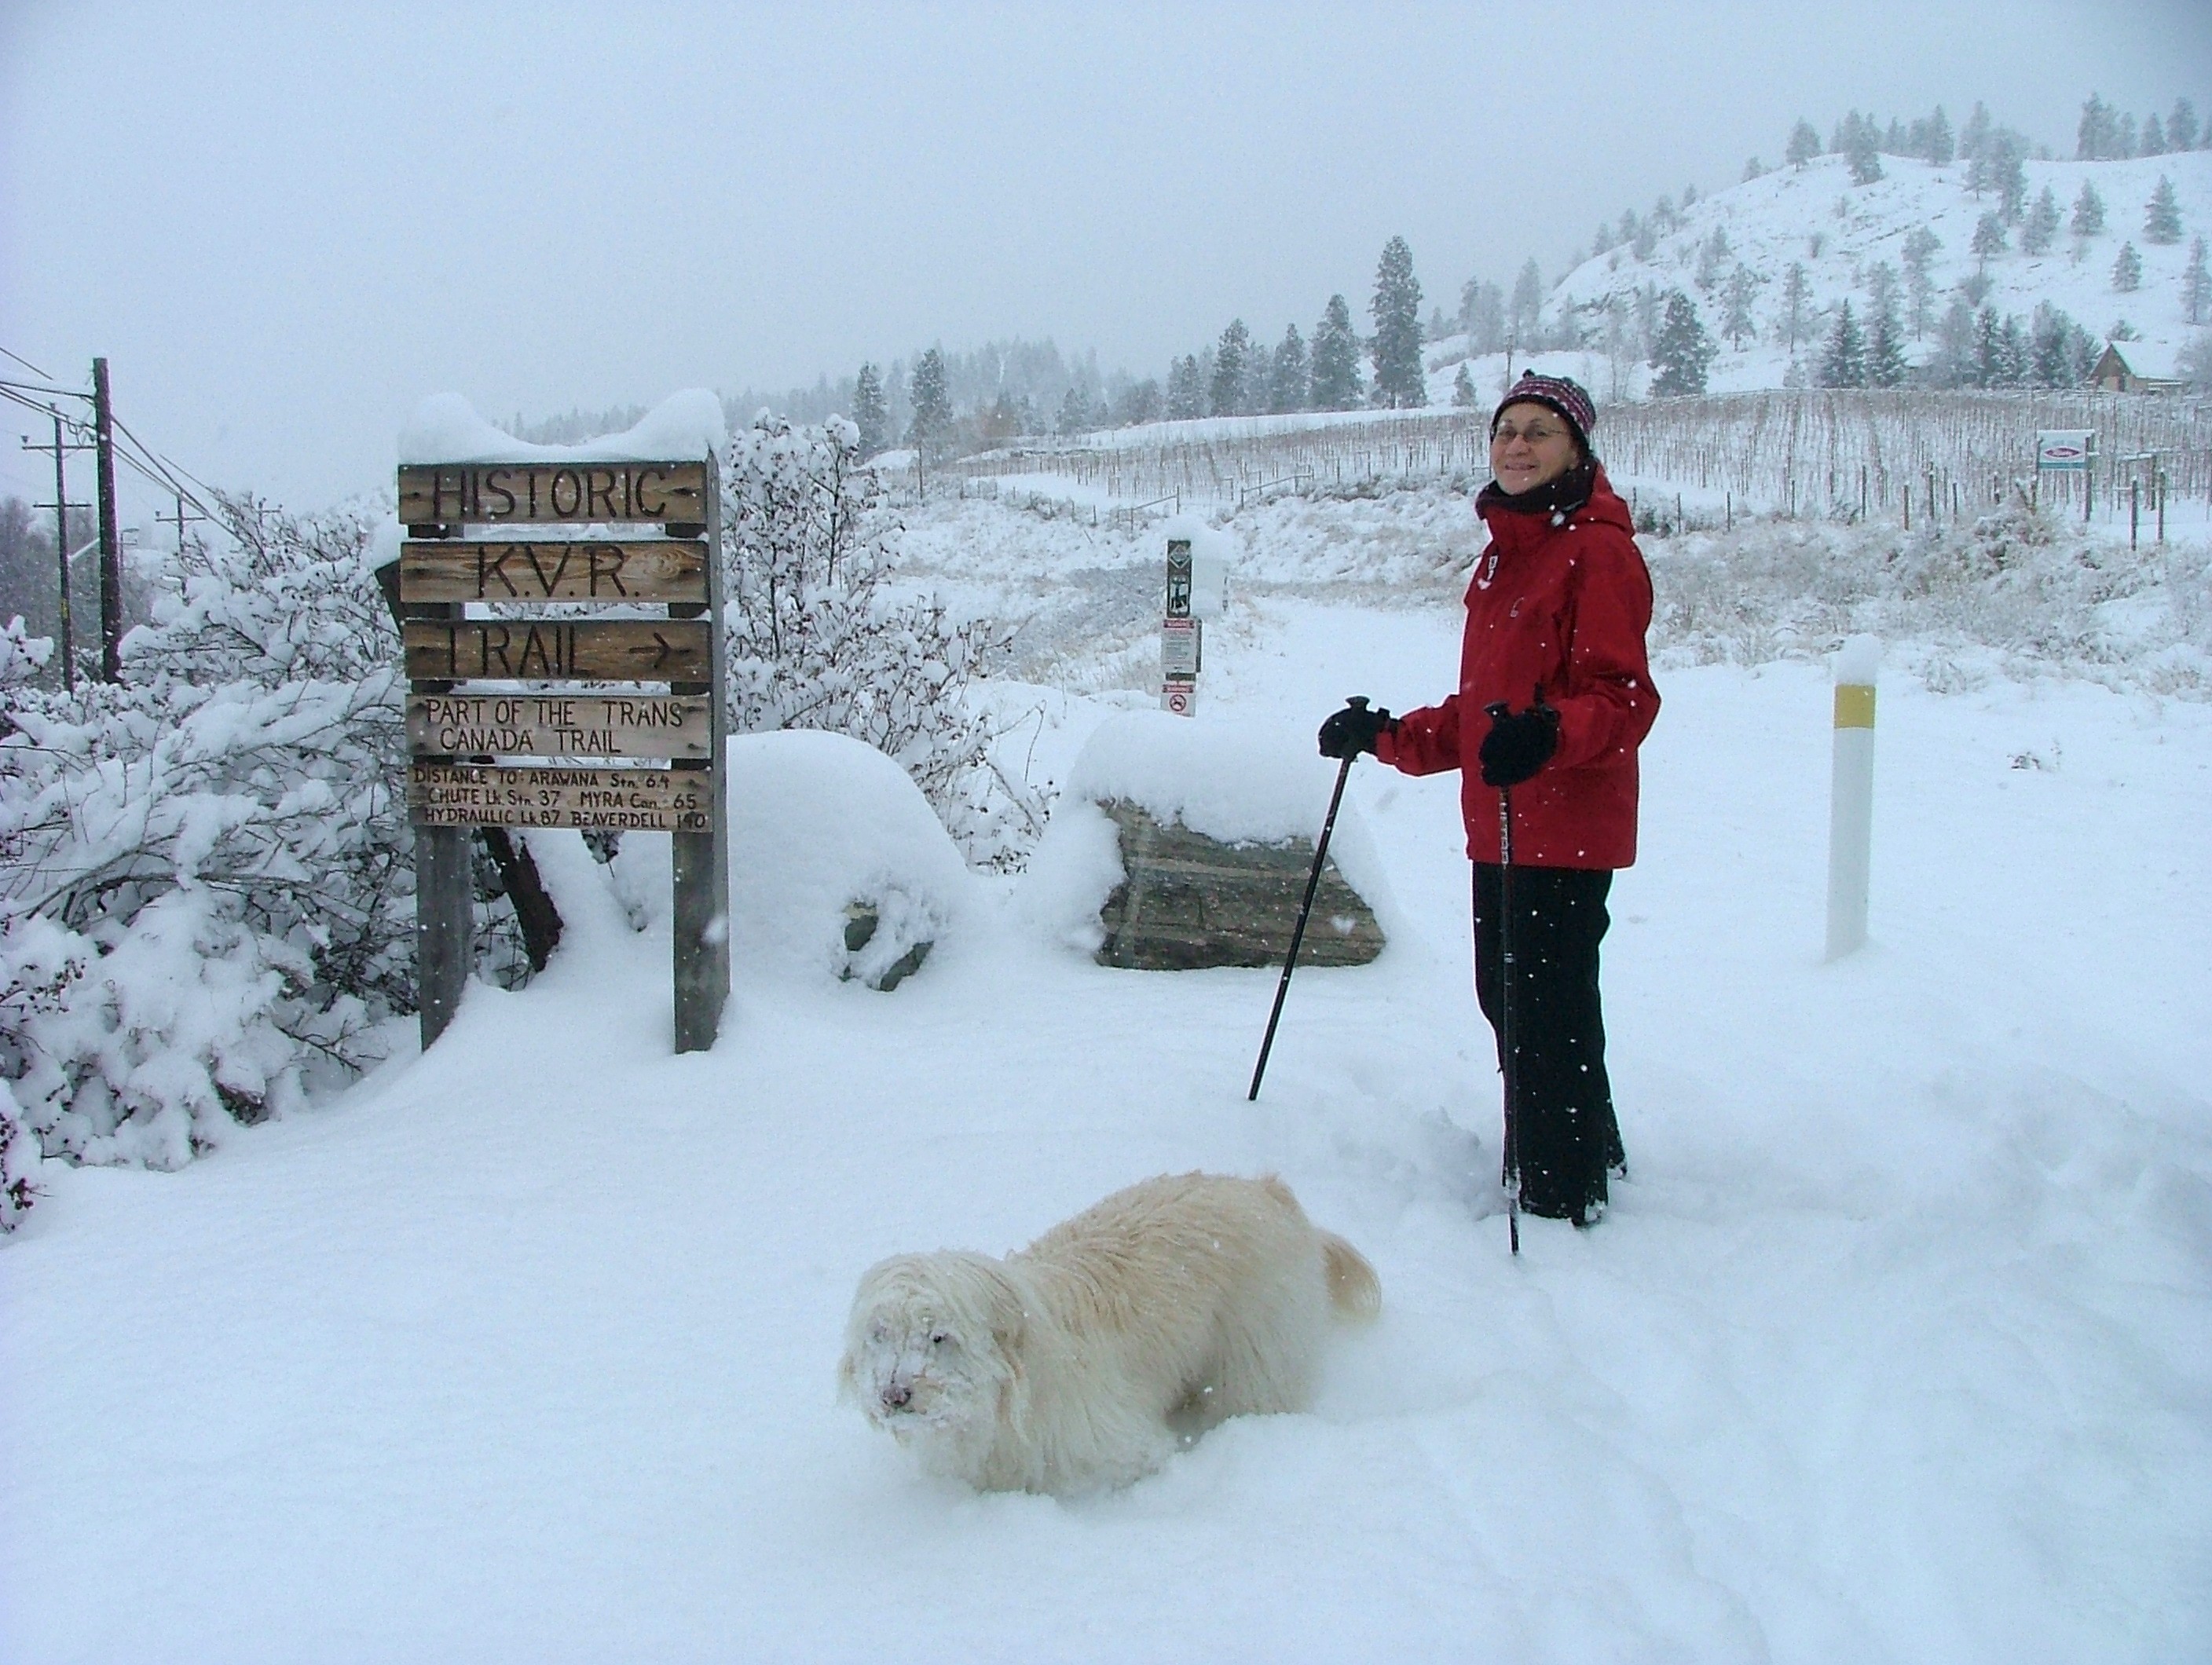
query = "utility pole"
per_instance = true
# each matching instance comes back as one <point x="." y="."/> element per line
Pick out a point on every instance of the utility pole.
<point x="111" y="544"/>
<point x="61" y="507"/>
<point x="179" y="521"/>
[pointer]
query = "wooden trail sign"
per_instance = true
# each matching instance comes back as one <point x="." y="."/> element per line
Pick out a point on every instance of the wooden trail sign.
<point x="558" y="649"/>
<point x="585" y="725"/>
<point x="540" y="493"/>
<point x="666" y="569"/>
<point x="453" y="721"/>
<point x="590" y="800"/>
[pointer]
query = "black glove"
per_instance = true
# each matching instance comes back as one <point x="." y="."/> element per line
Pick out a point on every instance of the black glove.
<point x="1518" y="743"/>
<point x="1351" y="731"/>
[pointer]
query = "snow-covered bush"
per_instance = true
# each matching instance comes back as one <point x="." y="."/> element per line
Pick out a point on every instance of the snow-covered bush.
<point x="21" y="654"/>
<point x="206" y="899"/>
<point x="820" y="637"/>
<point x="2030" y="585"/>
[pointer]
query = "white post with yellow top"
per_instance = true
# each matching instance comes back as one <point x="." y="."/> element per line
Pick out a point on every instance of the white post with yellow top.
<point x="1851" y="802"/>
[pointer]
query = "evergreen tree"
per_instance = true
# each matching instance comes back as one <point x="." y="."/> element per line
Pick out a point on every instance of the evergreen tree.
<point x="1186" y="389"/>
<point x="1139" y="402"/>
<point x="1974" y="136"/>
<point x="1953" y="365"/>
<point x="1736" y="321"/>
<point x="1796" y="292"/>
<point x="1681" y="352"/>
<point x="2059" y="349"/>
<point x="1232" y="360"/>
<point x="2127" y="270"/>
<point x="1483" y="306"/>
<point x="1861" y="149"/>
<point x="1920" y="246"/>
<point x="1942" y="147"/>
<point x="2181" y="126"/>
<point x="1754" y="169"/>
<point x="1843" y="361"/>
<point x="2040" y="229"/>
<point x="2005" y="167"/>
<point x="2012" y="353"/>
<point x="1463" y="389"/>
<point x="1396" y="346"/>
<point x="2127" y="145"/>
<point x="1984" y="370"/>
<point x="1804" y="143"/>
<point x="1712" y="259"/>
<point x="1988" y="237"/>
<point x="2196" y="286"/>
<point x="1075" y="414"/>
<point x="871" y="412"/>
<point x="2154" y="135"/>
<point x="2088" y="212"/>
<point x="2162" y="214"/>
<point x="930" y="430"/>
<point x="1524" y="320"/>
<point x="1886" y="365"/>
<point x="2097" y="137"/>
<point x="1335" y="359"/>
<point x="1288" y="376"/>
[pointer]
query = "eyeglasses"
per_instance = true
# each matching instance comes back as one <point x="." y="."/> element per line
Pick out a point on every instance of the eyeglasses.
<point x="1536" y="434"/>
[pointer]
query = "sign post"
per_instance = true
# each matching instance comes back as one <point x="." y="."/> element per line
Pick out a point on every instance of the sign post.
<point x="1180" y="636"/>
<point x="512" y="720"/>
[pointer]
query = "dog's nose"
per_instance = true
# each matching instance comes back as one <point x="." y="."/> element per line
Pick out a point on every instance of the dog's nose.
<point x="897" y="1395"/>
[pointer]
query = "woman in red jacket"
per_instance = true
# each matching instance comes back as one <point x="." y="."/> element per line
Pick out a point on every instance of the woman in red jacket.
<point x="1556" y="617"/>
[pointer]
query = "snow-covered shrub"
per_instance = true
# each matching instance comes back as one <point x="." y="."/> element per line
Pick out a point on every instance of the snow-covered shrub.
<point x="21" y="654"/>
<point x="207" y="892"/>
<point x="820" y="637"/>
<point x="2031" y="585"/>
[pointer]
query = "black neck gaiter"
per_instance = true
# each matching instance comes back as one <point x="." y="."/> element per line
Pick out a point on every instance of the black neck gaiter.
<point x="1561" y="495"/>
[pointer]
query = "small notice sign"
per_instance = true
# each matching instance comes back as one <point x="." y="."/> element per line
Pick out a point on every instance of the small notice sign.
<point x="1178" y="647"/>
<point x="2065" y="450"/>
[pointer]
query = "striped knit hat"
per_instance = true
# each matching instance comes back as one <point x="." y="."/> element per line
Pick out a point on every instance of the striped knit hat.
<point x="1558" y="393"/>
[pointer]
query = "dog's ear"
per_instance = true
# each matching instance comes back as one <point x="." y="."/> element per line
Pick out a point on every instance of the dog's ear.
<point x="848" y="1376"/>
<point x="1010" y="1323"/>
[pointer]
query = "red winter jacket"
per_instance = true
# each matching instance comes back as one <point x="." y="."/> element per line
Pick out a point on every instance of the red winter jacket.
<point x="1565" y="607"/>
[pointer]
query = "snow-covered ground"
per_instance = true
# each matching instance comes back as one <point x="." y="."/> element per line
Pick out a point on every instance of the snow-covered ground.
<point x="1895" y="1345"/>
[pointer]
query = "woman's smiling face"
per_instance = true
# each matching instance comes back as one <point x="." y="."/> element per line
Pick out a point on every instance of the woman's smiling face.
<point x="1531" y="446"/>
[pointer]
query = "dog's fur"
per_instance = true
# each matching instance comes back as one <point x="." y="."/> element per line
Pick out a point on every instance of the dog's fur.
<point x="1077" y="1362"/>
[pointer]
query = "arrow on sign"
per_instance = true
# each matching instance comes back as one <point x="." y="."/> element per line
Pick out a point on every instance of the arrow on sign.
<point x="660" y="651"/>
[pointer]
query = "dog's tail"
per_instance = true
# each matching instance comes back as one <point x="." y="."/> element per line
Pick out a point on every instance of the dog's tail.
<point x="1354" y="1289"/>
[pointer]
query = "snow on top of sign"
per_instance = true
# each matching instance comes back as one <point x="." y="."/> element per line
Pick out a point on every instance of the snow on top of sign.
<point x="446" y="428"/>
<point x="818" y="821"/>
<point x="1237" y="782"/>
<point x="1212" y="552"/>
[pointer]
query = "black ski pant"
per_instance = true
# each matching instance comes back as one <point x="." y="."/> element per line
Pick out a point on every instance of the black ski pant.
<point x="1564" y="1136"/>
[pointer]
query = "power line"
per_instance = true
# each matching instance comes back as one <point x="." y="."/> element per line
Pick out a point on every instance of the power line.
<point x="38" y="387"/>
<point x="27" y="365"/>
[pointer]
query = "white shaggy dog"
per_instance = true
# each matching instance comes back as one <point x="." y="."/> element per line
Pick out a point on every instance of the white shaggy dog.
<point x="1076" y="1362"/>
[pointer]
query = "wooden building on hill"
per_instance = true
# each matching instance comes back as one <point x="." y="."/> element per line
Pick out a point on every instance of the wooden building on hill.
<point x="2138" y="367"/>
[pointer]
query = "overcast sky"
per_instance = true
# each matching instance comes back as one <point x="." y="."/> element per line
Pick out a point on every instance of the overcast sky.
<point x="284" y="225"/>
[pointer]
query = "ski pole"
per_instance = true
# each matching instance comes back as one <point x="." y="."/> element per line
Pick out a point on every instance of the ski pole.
<point x="1298" y="931"/>
<point x="1509" y="1175"/>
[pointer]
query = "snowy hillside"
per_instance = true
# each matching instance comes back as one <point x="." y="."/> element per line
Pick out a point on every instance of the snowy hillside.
<point x="1813" y="215"/>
